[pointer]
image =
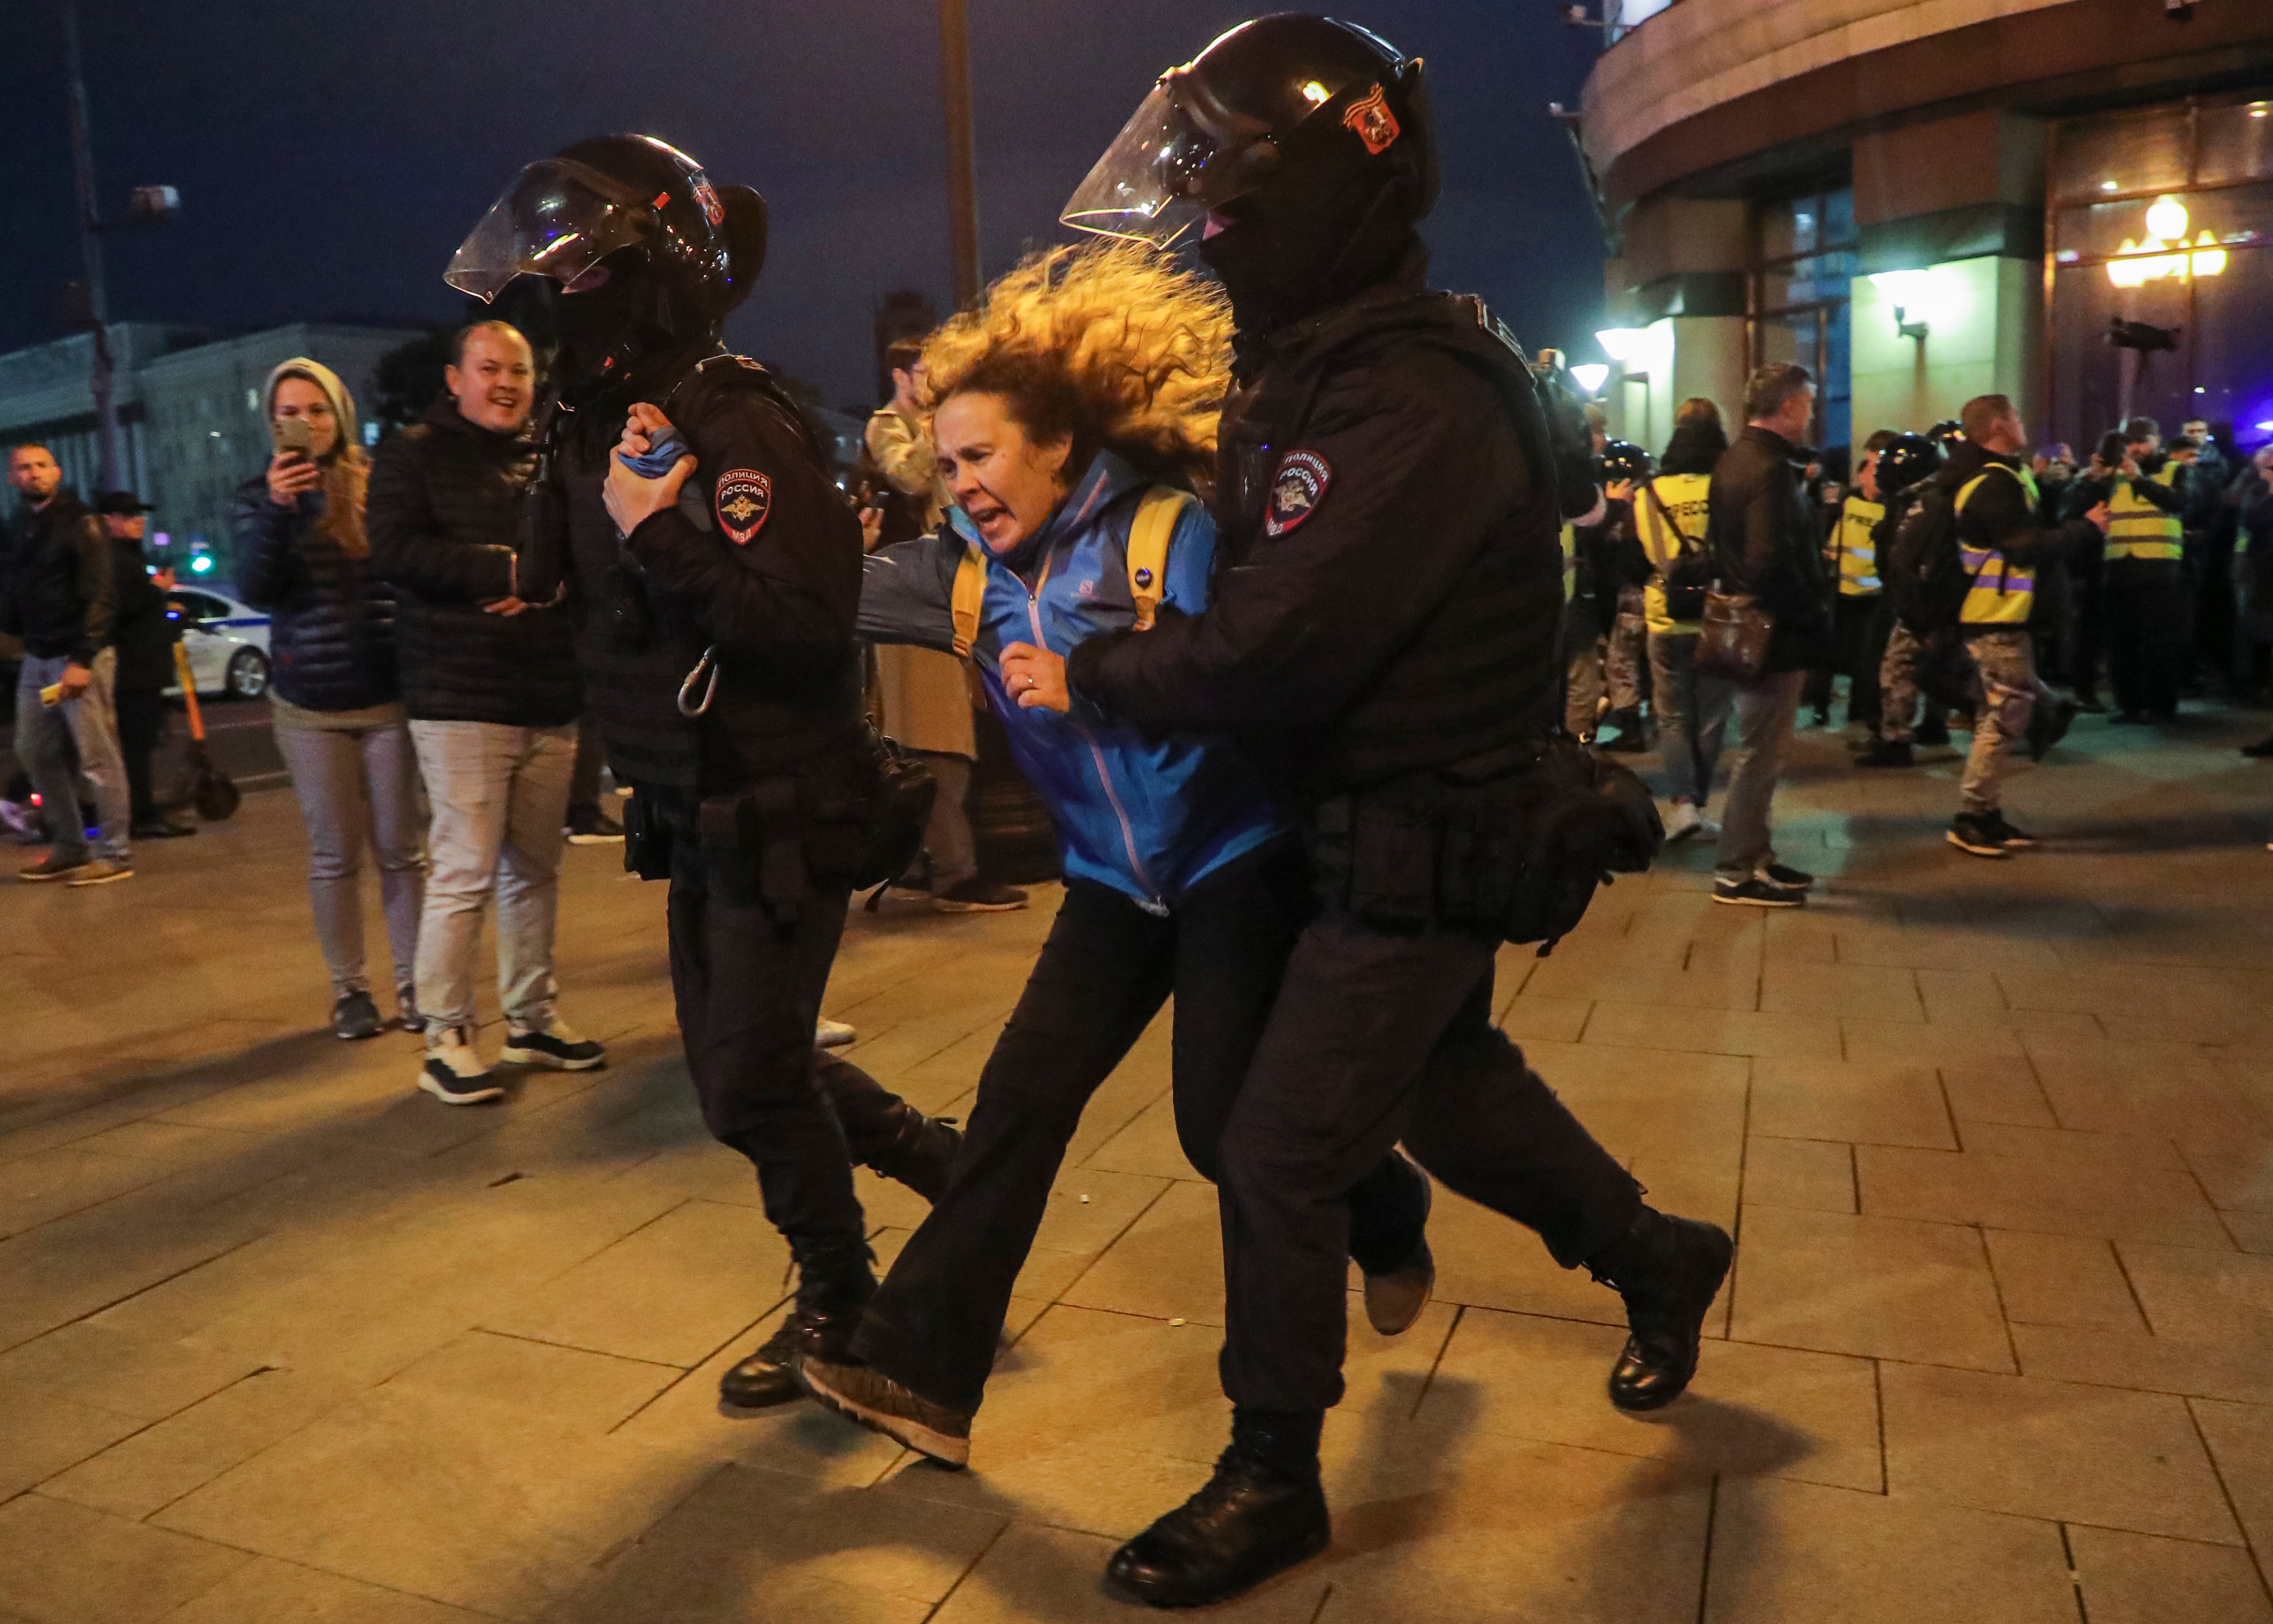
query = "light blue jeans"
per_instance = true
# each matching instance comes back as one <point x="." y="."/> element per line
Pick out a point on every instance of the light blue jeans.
<point x="356" y="785"/>
<point x="500" y="796"/>
<point x="1692" y="712"/>
<point x="91" y="724"/>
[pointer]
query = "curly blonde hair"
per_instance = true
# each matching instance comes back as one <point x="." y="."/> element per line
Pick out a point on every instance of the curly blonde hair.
<point x="1108" y="344"/>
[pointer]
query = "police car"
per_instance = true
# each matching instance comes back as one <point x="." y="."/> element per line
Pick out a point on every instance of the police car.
<point x="227" y="642"/>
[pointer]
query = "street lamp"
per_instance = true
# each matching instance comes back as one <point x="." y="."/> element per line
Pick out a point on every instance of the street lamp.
<point x="961" y="164"/>
<point x="85" y="303"/>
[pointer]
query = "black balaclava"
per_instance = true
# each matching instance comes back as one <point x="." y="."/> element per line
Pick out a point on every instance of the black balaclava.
<point x="1285" y="255"/>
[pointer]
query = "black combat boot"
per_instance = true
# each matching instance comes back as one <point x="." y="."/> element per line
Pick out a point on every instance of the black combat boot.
<point x="834" y="1283"/>
<point x="1668" y="1270"/>
<point x="2048" y="725"/>
<point x="885" y="1132"/>
<point x="922" y="1153"/>
<point x="1264" y="1511"/>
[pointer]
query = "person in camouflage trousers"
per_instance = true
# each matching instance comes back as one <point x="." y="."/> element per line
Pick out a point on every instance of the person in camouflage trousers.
<point x="1625" y="667"/>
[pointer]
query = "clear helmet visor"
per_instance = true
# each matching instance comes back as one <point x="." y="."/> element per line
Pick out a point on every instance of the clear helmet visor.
<point x="1165" y="171"/>
<point x="558" y="219"/>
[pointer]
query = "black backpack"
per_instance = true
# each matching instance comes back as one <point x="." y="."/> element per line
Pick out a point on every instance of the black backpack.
<point x="1926" y="571"/>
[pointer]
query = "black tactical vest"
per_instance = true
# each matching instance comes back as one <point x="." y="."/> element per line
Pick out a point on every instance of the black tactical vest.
<point x="1477" y="683"/>
<point x="638" y="647"/>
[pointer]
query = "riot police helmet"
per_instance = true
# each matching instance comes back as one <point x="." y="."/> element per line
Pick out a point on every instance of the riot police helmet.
<point x="1300" y="151"/>
<point x="637" y="251"/>
<point x="1906" y="459"/>
<point x="1623" y="460"/>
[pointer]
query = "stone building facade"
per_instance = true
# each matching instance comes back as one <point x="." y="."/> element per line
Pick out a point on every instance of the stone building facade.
<point x="1929" y="200"/>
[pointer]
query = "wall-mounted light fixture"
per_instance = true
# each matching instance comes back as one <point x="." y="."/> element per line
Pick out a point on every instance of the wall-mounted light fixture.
<point x="1906" y="292"/>
<point x="1590" y="375"/>
<point x="1621" y="344"/>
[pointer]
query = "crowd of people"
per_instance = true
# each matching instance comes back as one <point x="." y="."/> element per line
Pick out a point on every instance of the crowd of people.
<point x="1257" y="568"/>
<point x="432" y="720"/>
<point x="1959" y="573"/>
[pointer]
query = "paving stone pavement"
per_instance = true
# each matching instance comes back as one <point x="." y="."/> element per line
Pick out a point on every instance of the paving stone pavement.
<point x="283" y="1339"/>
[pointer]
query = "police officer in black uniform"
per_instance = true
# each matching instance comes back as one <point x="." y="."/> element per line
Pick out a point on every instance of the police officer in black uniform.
<point x="713" y="592"/>
<point x="1383" y="637"/>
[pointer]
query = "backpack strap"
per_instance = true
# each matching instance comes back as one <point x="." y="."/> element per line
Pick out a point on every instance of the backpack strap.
<point x="1148" y="548"/>
<point x="1687" y="542"/>
<point x="969" y="596"/>
<point x="1149" y="535"/>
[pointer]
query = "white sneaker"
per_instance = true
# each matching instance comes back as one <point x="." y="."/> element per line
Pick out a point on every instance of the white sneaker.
<point x="1687" y="823"/>
<point x="453" y="1071"/>
<point x="560" y="1047"/>
<point x="829" y="1034"/>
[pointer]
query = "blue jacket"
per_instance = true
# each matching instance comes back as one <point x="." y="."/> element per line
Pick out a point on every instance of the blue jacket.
<point x="1150" y="819"/>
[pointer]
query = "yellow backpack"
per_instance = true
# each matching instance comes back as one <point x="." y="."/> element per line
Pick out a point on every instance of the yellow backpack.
<point x="1148" y="565"/>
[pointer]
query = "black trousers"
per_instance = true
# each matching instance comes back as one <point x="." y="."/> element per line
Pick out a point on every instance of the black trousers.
<point x="2147" y="620"/>
<point x="1376" y="1038"/>
<point x="142" y="718"/>
<point x="2089" y="578"/>
<point x="592" y="756"/>
<point x="1860" y="627"/>
<point x="1104" y="973"/>
<point x="747" y="979"/>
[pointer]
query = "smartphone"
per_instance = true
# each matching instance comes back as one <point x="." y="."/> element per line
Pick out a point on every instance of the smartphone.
<point x="293" y="437"/>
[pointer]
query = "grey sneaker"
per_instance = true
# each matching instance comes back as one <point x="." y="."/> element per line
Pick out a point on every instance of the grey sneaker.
<point x="874" y="1400"/>
<point x="975" y="895"/>
<point x="102" y="872"/>
<point x="355" y="1016"/>
<point x="54" y="866"/>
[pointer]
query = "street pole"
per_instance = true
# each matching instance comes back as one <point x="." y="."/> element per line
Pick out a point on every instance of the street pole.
<point x="962" y="166"/>
<point x="90" y="238"/>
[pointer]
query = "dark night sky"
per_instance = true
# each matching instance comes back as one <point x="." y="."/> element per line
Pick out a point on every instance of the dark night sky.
<point x="331" y="157"/>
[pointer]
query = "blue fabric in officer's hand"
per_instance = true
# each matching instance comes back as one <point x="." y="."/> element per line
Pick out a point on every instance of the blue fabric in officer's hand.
<point x="662" y="456"/>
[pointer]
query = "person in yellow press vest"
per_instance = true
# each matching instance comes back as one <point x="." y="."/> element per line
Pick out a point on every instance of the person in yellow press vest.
<point x="2002" y="545"/>
<point x="1859" y="628"/>
<point x="2146" y="587"/>
<point x="1691" y="708"/>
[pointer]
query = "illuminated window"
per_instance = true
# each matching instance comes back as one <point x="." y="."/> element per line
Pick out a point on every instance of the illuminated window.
<point x="1803" y="264"/>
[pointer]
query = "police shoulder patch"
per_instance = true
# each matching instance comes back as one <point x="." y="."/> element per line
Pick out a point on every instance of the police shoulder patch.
<point x="745" y="499"/>
<point x="1296" y="490"/>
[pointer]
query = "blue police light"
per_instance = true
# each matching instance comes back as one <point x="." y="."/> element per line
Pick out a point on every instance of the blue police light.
<point x="201" y="564"/>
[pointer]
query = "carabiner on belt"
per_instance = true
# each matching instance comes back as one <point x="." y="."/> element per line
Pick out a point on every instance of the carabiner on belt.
<point x="708" y="663"/>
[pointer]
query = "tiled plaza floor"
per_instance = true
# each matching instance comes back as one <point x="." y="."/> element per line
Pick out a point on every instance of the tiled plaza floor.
<point x="282" y="1340"/>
